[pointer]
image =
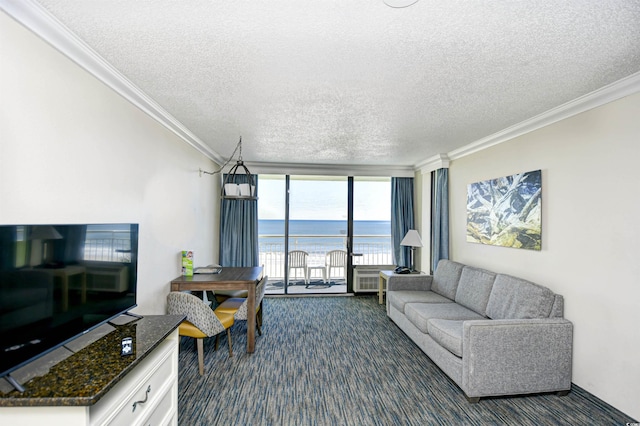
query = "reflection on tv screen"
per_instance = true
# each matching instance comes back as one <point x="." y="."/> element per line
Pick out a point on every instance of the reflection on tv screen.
<point x="58" y="281"/>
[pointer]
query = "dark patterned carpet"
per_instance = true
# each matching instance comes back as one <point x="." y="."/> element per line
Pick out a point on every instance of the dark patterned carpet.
<point x="341" y="361"/>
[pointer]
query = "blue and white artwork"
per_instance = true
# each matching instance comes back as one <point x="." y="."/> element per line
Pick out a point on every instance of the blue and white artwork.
<point x="506" y="211"/>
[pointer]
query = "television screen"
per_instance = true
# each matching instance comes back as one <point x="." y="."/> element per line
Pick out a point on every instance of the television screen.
<point x="59" y="281"/>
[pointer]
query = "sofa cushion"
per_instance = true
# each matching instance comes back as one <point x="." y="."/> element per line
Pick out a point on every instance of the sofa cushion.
<point x="446" y="278"/>
<point x="398" y="299"/>
<point x="419" y="313"/>
<point x="447" y="333"/>
<point x="515" y="298"/>
<point x="475" y="288"/>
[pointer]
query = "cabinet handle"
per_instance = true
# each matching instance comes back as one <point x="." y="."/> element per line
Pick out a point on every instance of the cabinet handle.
<point x="146" y="396"/>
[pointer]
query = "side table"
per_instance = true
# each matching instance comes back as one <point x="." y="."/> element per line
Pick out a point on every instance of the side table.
<point x="382" y="284"/>
<point x="64" y="274"/>
<point x="311" y="268"/>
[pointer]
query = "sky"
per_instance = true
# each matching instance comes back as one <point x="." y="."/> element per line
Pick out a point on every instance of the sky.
<point x="315" y="199"/>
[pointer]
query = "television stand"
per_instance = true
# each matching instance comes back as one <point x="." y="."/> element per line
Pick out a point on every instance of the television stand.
<point x="124" y="318"/>
<point x="13" y="382"/>
<point x="151" y="375"/>
<point x="131" y="314"/>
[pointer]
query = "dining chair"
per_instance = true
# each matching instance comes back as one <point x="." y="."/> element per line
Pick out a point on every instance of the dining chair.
<point x="222" y="295"/>
<point x="238" y="306"/>
<point x="201" y="321"/>
<point x="298" y="260"/>
<point x="336" y="259"/>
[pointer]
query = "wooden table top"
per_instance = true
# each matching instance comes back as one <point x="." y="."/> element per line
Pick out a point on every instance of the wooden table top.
<point x="228" y="275"/>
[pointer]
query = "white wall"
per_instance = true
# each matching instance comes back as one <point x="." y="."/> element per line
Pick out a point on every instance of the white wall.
<point x="73" y="151"/>
<point x="590" y="236"/>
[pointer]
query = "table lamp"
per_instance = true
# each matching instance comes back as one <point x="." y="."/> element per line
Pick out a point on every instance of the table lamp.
<point x="45" y="233"/>
<point x="412" y="239"/>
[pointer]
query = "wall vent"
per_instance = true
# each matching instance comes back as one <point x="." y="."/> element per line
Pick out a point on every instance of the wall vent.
<point x="366" y="278"/>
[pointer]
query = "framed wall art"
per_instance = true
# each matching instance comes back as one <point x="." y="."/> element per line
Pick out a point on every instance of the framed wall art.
<point x="506" y="211"/>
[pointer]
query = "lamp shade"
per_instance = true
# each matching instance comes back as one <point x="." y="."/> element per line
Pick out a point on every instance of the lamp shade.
<point x="412" y="239"/>
<point x="44" y="232"/>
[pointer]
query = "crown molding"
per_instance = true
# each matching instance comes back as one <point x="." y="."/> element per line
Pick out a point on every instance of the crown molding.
<point x="38" y="20"/>
<point x="330" y="169"/>
<point x="612" y="92"/>
<point x="440" y="161"/>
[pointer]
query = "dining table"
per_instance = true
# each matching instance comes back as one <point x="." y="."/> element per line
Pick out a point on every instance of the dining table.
<point x="229" y="278"/>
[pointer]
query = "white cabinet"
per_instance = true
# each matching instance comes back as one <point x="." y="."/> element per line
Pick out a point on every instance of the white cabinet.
<point x="148" y="395"/>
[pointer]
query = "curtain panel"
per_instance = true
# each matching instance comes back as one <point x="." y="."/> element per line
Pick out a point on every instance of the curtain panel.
<point x="439" y="216"/>
<point x="402" y="218"/>
<point x="239" y="229"/>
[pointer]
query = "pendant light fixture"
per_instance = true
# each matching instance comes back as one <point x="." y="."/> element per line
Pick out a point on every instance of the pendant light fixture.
<point x="234" y="186"/>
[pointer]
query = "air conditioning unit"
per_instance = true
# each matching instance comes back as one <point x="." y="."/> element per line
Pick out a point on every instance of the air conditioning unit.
<point x="107" y="277"/>
<point x="366" y="278"/>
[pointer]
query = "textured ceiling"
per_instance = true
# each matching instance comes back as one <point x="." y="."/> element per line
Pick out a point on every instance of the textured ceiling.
<point x="340" y="82"/>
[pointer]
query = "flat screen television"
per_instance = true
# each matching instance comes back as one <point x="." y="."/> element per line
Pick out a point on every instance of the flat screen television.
<point x="60" y="281"/>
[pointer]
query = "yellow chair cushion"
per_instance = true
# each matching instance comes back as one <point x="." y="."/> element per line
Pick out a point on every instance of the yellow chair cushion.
<point x="188" y="329"/>
<point x="225" y="318"/>
<point x="230" y="306"/>
<point x="222" y="295"/>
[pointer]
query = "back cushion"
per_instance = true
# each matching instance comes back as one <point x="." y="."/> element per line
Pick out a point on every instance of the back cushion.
<point x="557" y="310"/>
<point x="515" y="298"/>
<point x="474" y="288"/>
<point x="446" y="278"/>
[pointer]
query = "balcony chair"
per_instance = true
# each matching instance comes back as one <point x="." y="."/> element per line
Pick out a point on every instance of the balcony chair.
<point x="201" y="321"/>
<point x="336" y="259"/>
<point x="238" y="306"/>
<point x="298" y="260"/>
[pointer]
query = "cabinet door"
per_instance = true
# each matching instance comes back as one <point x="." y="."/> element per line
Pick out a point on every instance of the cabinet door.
<point x="142" y="391"/>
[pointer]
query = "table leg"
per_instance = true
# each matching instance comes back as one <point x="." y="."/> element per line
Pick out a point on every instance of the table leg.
<point x="65" y="292"/>
<point x="83" y="290"/>
<point x="380" y="291"/>
<point x="251" y="319"/>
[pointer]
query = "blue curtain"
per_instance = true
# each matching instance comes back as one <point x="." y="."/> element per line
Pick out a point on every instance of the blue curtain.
<point x="439" y="216"/>
<point x="401" y="218"/>
<point x="239" y="229"/>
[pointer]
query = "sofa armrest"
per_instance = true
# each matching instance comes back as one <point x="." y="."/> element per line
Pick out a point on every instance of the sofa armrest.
<point x="409" y="282"/>
<point x="516" y="356"/>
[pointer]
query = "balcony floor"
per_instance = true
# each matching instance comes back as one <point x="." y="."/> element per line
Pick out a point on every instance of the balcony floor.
<point x="315" y="286"/>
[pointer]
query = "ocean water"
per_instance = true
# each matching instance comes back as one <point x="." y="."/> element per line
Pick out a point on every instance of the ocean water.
<point x="324" y="235"/>
<point x="324" y="227"/>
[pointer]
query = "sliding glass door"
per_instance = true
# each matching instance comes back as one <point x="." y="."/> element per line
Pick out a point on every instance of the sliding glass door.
<point x="312" y="229"/>
<point x="317" y="243"/>
<point x="372" y="221"/>
<point x="272" y="210"/>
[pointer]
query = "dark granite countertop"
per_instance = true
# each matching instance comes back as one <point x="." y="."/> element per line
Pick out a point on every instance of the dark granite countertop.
<point x="92" y="366"/>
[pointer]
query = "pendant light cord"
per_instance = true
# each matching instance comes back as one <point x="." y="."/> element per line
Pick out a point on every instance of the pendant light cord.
<point x="238" y="147"/>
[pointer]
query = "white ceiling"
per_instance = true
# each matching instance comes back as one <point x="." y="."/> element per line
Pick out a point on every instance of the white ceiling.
<point x="344" y="82"/>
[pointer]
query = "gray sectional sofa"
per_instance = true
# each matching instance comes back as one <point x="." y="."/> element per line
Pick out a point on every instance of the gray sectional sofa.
<point x="492" y="334"/>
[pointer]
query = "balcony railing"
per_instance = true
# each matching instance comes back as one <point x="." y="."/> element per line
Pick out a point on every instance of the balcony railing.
<point x="116" y="247"/>
<point x="374" y="250"/>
